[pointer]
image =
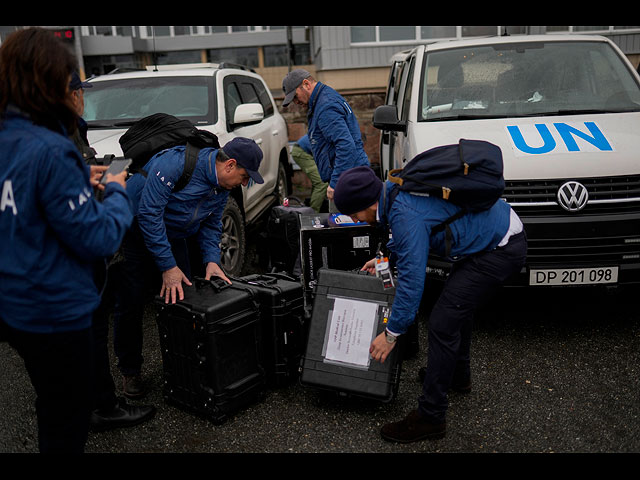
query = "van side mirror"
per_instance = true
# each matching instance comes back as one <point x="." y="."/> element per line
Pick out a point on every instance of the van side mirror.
<point x="385" y="117"/>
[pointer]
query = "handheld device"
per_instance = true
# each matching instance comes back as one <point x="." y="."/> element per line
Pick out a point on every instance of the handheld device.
<point x="116" y="166"/>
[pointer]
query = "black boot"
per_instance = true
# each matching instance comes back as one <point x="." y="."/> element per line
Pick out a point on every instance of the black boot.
<point x="120" y="416"/>
<point x="412" y="428"/>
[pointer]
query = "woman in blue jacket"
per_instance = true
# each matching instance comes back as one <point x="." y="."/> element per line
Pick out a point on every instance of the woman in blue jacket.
<point x="490" y="246"/>
<point x="53" y="231"/>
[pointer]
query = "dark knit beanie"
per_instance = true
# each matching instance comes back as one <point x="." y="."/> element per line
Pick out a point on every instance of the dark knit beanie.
<point x="357" y="189"/>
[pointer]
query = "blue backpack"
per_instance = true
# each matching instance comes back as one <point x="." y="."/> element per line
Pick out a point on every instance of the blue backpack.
<point x="468" y="174"/>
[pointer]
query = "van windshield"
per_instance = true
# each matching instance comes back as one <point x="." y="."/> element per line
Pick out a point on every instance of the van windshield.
<point x="525" y="79"/>
<point x="121" y="102"/>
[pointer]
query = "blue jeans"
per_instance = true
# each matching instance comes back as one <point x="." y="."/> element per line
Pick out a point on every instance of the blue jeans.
<point x="470" y="282"/>
<point x="138" y="276"/>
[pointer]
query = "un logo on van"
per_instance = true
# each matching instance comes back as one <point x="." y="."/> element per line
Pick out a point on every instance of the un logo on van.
<point x="573" y="196"/>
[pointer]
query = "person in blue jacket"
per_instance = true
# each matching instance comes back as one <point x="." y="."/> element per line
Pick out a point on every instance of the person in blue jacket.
<point x="53" y="231"/>
<point x="333" y="128"/>
<point x="157" y="240"/>
<point x="490" y="246"/>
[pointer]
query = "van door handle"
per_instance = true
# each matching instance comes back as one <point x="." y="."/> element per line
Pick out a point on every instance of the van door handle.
<point x="275" y="132"/>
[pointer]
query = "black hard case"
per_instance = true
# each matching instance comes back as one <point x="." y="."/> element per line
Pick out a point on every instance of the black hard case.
<point x="379" y="381"/>
<point x="334" y="247"/>
<point x="283" y="237"/>
<point x="283" y="325"/>
<point x="211" y="354"/>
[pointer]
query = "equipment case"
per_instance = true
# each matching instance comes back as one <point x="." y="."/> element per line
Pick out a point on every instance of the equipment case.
<point x="334" y="247"/>
<point x="283" y="327"/>
<point x="210" y="344"/>
<point x="283" y="237"/>
<point x="377" y="381"/>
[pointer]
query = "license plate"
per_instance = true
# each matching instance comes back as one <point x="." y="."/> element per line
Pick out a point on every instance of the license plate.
<point x="573" y="276"/>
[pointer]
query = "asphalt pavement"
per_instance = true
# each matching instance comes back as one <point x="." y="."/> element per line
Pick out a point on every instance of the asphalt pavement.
<point x="552" y="373"/>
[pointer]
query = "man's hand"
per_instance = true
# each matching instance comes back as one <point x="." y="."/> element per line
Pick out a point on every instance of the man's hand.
<point x="214" y="269"/>
<point x="380" y="348"/>
<point x="370" y="266"/>
<point x="330" y="193"/>
<point x="172" y="285"/>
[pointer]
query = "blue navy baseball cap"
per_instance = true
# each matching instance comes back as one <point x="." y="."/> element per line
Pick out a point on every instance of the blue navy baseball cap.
<point x="357" y="189"/>
<point x="247" y="154"/>
<point x="76" y="83"/>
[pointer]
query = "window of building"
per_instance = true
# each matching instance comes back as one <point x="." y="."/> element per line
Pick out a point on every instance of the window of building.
<point x="277" y="55"/>
<point x="182" y="56"/>
<point x="247" y="56"/>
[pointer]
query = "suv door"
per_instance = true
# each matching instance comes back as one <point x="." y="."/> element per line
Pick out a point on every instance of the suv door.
<point x="239" y="90"/>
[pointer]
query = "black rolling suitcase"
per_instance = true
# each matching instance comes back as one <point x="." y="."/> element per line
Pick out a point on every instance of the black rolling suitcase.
<point x="283" y="328"/>
<point x="210" y="344"/>
<point x="349" y="310"/>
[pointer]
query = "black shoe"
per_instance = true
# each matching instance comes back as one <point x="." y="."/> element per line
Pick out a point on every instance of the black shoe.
<point x="133" y="387"/>
<point x="122" y="415"/>
<point x="460" y="387"/>
<point x="412" y="428"/>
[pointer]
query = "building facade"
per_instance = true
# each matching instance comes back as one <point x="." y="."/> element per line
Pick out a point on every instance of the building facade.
<point x="350" y="58"/>
<point x="354" y="60"/>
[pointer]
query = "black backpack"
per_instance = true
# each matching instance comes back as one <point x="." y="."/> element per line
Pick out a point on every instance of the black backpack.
<point x="468" y="174"/>
<point x="160" y="131"/>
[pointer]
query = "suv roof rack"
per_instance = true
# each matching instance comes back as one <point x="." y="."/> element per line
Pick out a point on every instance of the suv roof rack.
<point x="187" y="66"/>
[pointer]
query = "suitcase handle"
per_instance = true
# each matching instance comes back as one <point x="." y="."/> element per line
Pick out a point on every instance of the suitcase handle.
<point x="217" y="283"/>
<point x="256" y="279"/>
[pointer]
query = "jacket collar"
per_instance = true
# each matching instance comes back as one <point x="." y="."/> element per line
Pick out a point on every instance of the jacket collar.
<point x="314" y="97"/>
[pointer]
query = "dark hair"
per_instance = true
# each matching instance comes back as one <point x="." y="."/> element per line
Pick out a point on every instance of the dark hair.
<point x="35" y="69"/>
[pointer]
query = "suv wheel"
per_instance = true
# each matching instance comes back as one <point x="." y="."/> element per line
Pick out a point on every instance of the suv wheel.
<point x="233" y="241"/>
<point x="282" y="185"/>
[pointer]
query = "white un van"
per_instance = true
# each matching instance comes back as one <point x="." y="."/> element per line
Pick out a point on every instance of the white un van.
<point x="565" y="110"/>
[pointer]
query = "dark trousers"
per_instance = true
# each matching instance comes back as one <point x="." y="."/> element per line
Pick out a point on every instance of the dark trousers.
<point x="470" y="282"/>
<point x="61" y="371"/>
<point x="138" y="275"/>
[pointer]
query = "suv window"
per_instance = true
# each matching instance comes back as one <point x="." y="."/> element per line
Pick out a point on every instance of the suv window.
<point x="240" y="89"/>
<point x="526" y="79"/>
<point x="120" y="102"/>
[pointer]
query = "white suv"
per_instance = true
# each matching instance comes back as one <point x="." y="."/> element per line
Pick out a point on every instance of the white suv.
<point x="228" y="100"/>
<point x="565" y="111"/>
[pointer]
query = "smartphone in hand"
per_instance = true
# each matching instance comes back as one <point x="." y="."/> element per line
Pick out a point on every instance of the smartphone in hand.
<point x="116" y="166"/>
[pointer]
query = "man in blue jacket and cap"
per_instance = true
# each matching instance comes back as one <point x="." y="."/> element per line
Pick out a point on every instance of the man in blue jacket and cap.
<point x="163" y="221"/>
<point x="333" y="128"/>
<point x="490" y="246"/>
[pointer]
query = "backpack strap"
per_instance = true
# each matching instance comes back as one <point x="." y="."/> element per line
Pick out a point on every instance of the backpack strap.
<point x="191" y="157"/>
<point x="448" y="236"/>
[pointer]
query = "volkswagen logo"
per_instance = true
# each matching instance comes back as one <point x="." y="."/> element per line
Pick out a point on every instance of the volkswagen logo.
<point x="573" y="196"/>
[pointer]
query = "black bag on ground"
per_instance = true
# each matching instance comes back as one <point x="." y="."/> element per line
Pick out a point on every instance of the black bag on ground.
<point x="211" y="349"/>
<point x="283" y="237"/>
<point x="160" y="131"/>
<point x="323" y="370"/>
